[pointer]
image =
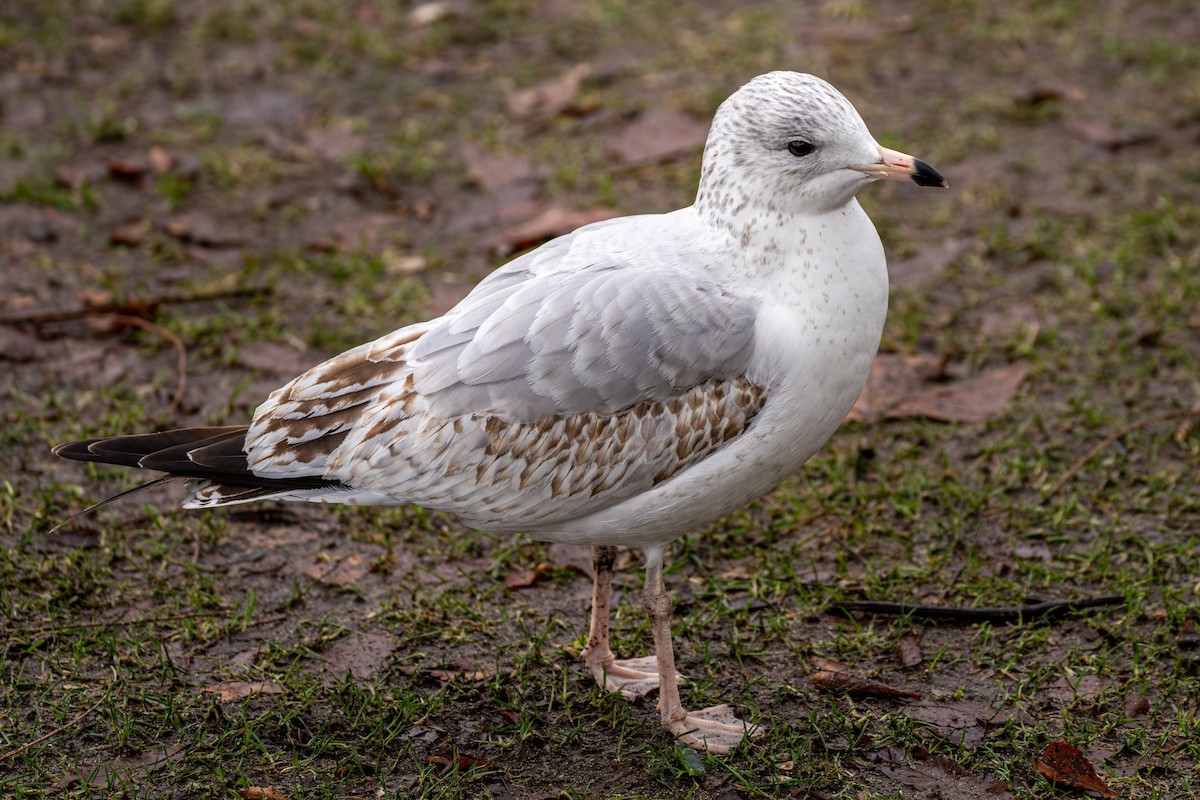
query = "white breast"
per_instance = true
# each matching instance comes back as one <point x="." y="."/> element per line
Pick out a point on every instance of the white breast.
<point x="816" y="336"/>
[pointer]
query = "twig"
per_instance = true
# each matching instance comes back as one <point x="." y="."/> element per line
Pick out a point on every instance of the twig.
<point x="1109" y="441"/>
<point x="173" y="338"/>
<point x="53" y="733"/>
<point x="131" y="307"/>
<point x="1047" y="610"/>
<point x="117" y="623"/>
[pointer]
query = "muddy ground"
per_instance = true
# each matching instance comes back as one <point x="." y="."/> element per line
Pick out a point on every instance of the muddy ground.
<point x="200" y="200"/>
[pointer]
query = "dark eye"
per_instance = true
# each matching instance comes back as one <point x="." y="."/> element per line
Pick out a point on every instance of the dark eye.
<point x="801" y="148"/>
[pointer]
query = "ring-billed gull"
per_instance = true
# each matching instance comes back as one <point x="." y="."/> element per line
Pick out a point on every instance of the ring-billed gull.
<point x="621" y="385"/>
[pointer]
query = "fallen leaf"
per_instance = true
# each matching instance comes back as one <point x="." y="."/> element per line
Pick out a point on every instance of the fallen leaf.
<point x="125" y="770"/>
<point x="429" y="13"/>
<point x="941" y="777"/>
<point x="465" y="671"/>
<point x="918" y="270"/>
<point x="657" y="136"/>
<point x="548" y="98"/>
<point x="359" y="654"/>
<point x="970" y="400"/>
<point x="553" y="221"/>
<point x="127" y="169"/>
<point x="574" y="556"/>
<point x="458" y="761"/>
<point x="345" y="572"/>
<point x="833" y="677"/>
<point x="963" y="722"/>
<point x="17" y="346"/>
<point x="201" y="229"/>
<point x="893" y="377"/>
<point x="908" y="651"/>
<point x="493" y="170"/>
<point x="75" y="177"/>
<point x="1044" y="93"/>
<point x="1106" y="137"/>
<point x="160" y="160"/>
<point x="397" y="264"/>
<point x="130" y="233"/>
<point x="275" y="358"/>
<point x="523" y="579"/>
<point x="239" y="690"/>
<point x="1065" y="764"/>
<point x="262" y="793"/>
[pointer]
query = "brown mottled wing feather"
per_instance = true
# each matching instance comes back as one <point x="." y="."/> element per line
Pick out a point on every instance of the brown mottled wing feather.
<point x="553" y="390"/>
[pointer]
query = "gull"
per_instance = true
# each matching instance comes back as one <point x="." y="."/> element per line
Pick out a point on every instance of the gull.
<point x="621" y="385"/>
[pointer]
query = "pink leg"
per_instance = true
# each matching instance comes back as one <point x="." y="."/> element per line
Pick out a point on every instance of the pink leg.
<point x="714" y="729"/>
<point x="633" y="677"/>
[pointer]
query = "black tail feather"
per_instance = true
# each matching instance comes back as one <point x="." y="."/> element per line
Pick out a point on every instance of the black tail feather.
<point x="128" y="451"/>
<point x="211" y="454"/>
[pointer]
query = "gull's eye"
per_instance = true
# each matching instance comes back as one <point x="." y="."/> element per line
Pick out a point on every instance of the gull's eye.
<point x="800" y="148"/>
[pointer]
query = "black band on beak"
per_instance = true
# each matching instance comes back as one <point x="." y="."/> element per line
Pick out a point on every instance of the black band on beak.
<point x="926" y="175"/>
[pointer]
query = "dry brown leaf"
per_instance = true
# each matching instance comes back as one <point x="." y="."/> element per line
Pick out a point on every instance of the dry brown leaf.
<point x="908" y="651"/>
<point x="127" y="169"/>
<point x="1044" y="93"/>
<point x="458" y="761"/>
<point x="657" y="136"/>
<point x="345" y="572"/>
<point x="493" y="170"/>
<point x="17" y="346"/>
<point x="239" y="690"/>
<point x="524" y="578"/>
<point x="360" y="654"/>
<point x="125" y="770"/>
<point x="573" y="556"/>
<point x="918" y="270"/>
<point x="201" y="229"/>
<point x="130" y="233"/>
<point x="970" y="400"/>
<point x="160" y="160"/>
<point x="1106" y="137"/>
<point x="262" y="793"/>
<point x="275" y="358"/>
<point x="553" y="221"/>
<point x="833" y="677"/>
<point x="894" y="377"/>
<point x="1065" y="764"/>
<point x="551" y="97"/>
<point x="964" y="722"/>
<point x="465" y="672"/>
<point x="941" y="776"/>
<point x="1189" y="637"/>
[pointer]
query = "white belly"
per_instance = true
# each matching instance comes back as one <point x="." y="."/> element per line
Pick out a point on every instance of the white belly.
<point x="815" y="340"/>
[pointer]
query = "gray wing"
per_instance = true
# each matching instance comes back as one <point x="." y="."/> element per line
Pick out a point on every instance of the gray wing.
<point x="554" y="389"/>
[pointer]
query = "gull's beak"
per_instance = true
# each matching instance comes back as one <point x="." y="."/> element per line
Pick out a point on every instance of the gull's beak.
<point x="898" y="166"/>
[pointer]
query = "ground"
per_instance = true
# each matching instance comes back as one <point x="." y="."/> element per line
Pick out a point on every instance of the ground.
<point x="225" y="191"/>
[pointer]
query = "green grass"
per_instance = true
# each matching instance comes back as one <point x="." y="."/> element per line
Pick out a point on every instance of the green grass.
<point x="112" y="629"/>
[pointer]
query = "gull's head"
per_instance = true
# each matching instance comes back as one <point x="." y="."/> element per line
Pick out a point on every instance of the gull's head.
<point x="792" y="143"/>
